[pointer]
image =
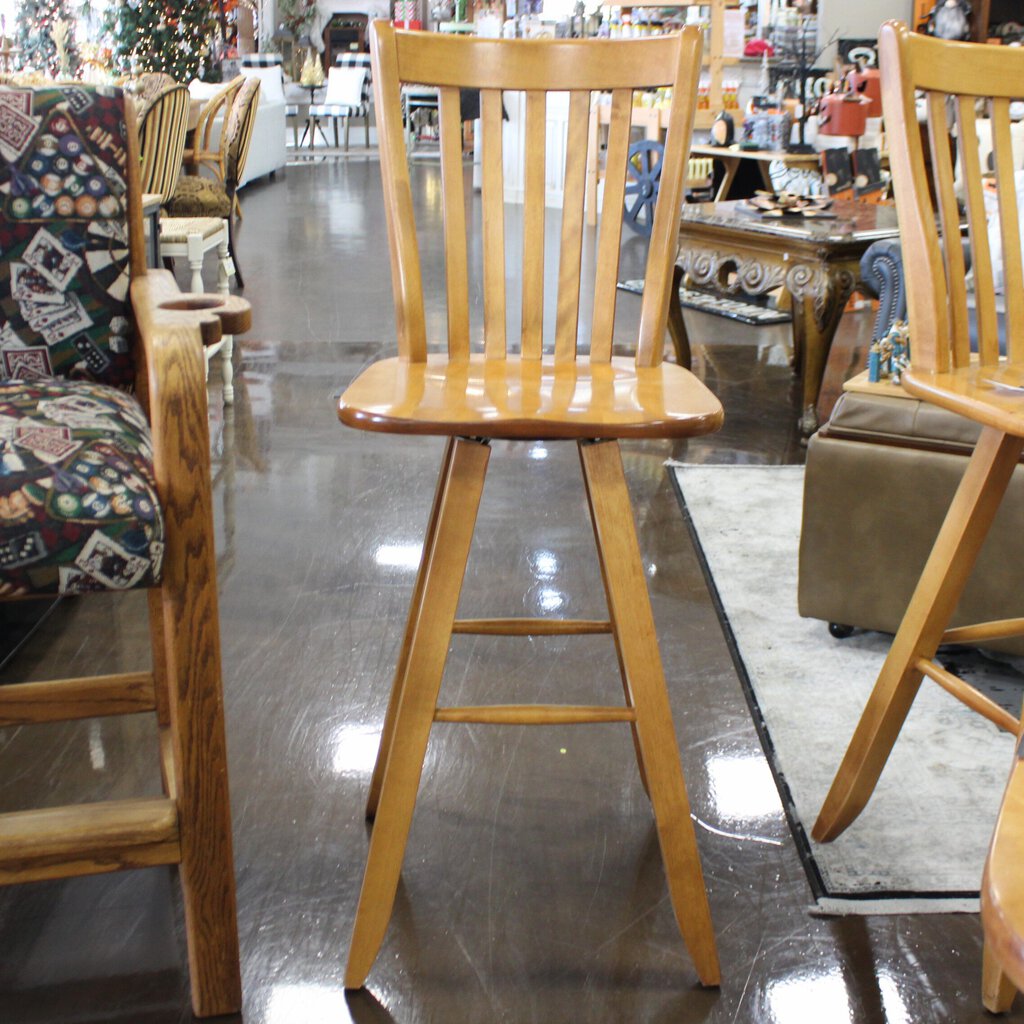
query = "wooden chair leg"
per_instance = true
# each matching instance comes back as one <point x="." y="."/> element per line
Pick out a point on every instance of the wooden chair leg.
<point x="415" y="605"/>
<point x="196" y="734"/>
<point x="206" y="870"/>
<point x="442" y="584"/>
<point x="618" y="647"/>
<point x="997" y="990"/>
<point x="633" y="624"/>
<point x="946" y="572"/>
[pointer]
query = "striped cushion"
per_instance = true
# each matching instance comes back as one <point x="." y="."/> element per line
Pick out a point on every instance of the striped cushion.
<point x="162" y="141"/>
<point x="262" y="60"/>
<point x="337" y="110"/>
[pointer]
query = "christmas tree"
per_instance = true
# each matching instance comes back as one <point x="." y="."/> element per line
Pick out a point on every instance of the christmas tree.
<point x="38" y="26"/>
<point x="172" y="36"/>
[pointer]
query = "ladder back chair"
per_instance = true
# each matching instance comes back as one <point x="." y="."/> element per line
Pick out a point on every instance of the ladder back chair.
<point x="958" y="80"/>
<point x="162" y="131"/>
<point x="106" y="490"/>
<point x="566" y="388"/>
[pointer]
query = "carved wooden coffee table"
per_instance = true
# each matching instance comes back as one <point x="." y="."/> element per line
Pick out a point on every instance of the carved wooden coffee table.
<point x="731" y="248"/>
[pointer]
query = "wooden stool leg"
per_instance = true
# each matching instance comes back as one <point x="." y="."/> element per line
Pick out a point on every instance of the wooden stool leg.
<point x="633" y="623"/>
<point x="997" y="991"/>
<point x="403" y="658"/>
<point x="428" y="652"/>
<point x="946" y="572"/>
<point x="618" y="646"/>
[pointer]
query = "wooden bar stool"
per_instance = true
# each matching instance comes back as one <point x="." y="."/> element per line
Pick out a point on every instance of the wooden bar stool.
<point x="985" y="386"/>
<point x="571" y="389"/>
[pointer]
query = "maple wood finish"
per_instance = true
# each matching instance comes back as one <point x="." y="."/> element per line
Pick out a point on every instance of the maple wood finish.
<point x="1002" y="896"/>
<point x="945" y="372"/>
<point x="199" y="149"/>
<point x="528" y="387"/>
<point x="189" y="826"/>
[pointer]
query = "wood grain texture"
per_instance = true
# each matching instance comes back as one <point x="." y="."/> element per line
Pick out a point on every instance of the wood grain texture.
<point x="456" y="259"/>
<point x="530" y="399"/>
<point x="87" y="839"/>
<point x="62" y="700"/>
<point x="181" y="462"/>
<point x="535" y="146"/>
<point x="633" y="623"/>
<point x="493" y="217"/>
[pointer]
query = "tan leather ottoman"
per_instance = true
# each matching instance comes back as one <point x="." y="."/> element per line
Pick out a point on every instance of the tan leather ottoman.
<point x="880" y="476"/>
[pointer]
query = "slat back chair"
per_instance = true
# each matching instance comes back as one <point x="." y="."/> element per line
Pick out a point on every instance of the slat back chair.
<point x="162" y="130"/>
<point x="961" y="82"/>
<point x="112" y="492"/>
<point x="569" y="387"/>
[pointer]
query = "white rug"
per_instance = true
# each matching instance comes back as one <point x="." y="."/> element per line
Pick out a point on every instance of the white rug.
<point x="920" y="844"/>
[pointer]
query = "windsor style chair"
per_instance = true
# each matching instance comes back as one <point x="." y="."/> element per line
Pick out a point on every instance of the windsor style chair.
<point x="965" y="81"/>
<point x="568" y="387"/>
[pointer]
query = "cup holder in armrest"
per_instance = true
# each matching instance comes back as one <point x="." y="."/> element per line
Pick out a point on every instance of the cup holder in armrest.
<point x="194" y="302"/>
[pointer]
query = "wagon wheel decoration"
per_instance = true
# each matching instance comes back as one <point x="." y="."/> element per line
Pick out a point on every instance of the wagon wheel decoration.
<point x="643" y="176"/>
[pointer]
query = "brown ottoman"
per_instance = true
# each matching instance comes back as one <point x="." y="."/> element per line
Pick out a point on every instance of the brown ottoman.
<point x="880" y="477"/>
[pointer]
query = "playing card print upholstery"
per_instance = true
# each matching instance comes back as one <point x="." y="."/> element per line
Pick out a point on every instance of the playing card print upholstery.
<point x="78" y="504"/>
<point x="64" y="277"/>
<point x="110" y="409"/>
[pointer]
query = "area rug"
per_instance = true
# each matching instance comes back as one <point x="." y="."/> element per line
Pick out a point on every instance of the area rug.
<point x="752" y="311"/>
<point x="920" y="844"/>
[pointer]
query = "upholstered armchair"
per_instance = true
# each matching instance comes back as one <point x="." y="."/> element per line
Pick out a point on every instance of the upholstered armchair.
<point x="105" y="486"/>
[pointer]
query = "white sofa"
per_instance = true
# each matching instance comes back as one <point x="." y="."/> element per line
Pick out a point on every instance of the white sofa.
<point x="267" y="153"/>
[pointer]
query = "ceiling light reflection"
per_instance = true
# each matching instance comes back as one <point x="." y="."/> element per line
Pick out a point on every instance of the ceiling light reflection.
<point x="545" y="564"/>
<point x="812" y="997"/>
<point x="355" y="749"/>
<point x="538" y="451"/>
<point x="551" y="600"/>
<point x="742" y="787"/>
<point x="398" y="556"/>
<point x="299" y="1004"/>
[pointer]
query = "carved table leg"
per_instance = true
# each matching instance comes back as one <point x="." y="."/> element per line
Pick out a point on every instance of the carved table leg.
<point x="818" y="304"/>
<point x="676" y="326"/>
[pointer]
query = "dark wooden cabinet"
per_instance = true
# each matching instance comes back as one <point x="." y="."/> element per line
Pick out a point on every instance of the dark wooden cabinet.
<point x="345" y="33"/>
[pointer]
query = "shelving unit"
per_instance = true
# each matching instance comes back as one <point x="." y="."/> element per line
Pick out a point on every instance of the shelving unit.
<point x="714" y="59"/>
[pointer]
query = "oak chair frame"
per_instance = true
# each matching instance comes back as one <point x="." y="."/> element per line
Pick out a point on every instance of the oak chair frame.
<point x="190" y="825"/>
<point x="957" y="77"/>
<point x="558" y="391"/>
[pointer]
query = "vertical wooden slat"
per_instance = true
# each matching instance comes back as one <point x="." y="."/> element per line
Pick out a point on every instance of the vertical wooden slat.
<point x="406" y="280"/>
<point x="493" y="225"/>
<point x="454" y="205"/>
<point x="605" y="290"/>
<point x="1010" y="228"/>
<point x="664" y="243"/>
<point x="981" y="256"/>
<point x="573" y="193"/>
<point x="949" y="221"/>
<point x="533" y="225"/>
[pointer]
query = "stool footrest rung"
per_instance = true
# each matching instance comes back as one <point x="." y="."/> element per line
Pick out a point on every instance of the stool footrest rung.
<point x="967" y="694"/>
<point x="535" y="714"/>
<point x="64" y="700"/>
<point x="998" y="629"/>
<point x="87" y="839"/>
<point x="521" y="626"/>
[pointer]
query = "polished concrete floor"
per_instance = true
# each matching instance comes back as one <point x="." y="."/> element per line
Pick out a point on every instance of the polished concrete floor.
<point x="532" y="888"/>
